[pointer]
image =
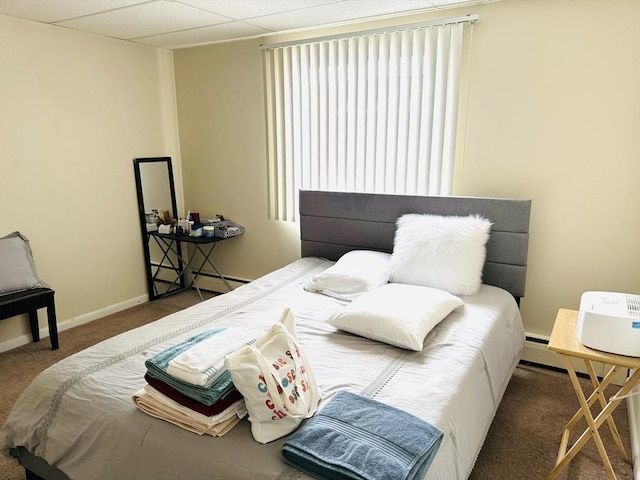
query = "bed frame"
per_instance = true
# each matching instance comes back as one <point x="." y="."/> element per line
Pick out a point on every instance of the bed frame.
<point x="333" y="223"/>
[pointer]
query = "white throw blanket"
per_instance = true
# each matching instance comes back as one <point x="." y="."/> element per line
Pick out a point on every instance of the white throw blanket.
<point x="204" y="362"/>
<point x="158" y="405"/>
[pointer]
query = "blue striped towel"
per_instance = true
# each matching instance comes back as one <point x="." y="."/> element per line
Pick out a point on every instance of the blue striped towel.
<point x="158" y="364"/>
<point x="353" y="437"/>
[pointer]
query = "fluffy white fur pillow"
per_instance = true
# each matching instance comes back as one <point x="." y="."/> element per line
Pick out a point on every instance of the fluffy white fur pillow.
<point x="445" y="252"/>
<point x="354" y="273"/>
<point x="400" y="315"/>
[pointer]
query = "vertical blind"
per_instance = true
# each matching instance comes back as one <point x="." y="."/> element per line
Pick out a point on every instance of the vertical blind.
<point x="372" y="113"/>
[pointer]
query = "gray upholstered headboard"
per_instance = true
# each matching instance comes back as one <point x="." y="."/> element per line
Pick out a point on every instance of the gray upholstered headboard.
<point x="333" y="223"/>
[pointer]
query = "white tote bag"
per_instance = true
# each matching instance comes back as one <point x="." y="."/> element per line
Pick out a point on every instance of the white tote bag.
<point x="276" y="381"/>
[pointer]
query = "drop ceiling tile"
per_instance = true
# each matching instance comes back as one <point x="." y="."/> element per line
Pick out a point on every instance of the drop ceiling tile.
<point x="456" y="3"/>
<point x="151" y="20"/>
<point x="242" y="9"/>
<point x="201" y="36"/>
<point x="349" y="10"/>
<point x="145" y="19"/>
<point x="50" y="11"/>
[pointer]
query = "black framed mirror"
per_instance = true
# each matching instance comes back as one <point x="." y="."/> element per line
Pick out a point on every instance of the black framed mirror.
<point x="156" y="195"/>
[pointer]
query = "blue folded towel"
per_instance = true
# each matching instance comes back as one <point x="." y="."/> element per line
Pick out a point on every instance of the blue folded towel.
<point x="158" y="364"/>
<point x="353" y="437"/>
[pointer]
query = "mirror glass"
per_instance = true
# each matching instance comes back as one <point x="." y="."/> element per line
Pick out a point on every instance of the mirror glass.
<point x="156" y="188"/>
<point x="156" y="195"/>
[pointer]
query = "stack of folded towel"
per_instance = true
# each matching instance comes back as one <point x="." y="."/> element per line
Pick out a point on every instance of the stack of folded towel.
<point x="358" y="438"/>
<point x="188" y="385"/>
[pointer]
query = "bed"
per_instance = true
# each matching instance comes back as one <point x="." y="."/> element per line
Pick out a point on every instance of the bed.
<point x="77" y="419"/>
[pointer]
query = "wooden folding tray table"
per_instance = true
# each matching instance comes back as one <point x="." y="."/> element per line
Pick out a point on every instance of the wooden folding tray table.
<point x="564" y="340"/>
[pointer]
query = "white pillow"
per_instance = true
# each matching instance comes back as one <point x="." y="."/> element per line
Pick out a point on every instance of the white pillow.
<point x="17" y="270"/>
<point x="355" y="273"/>
<point x="400" y="315"/>
<point x="440" y="252"/>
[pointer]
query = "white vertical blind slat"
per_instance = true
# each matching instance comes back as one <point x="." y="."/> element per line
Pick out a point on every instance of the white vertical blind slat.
<point x="289" y="173"/>
<point x="404" y="111"/>
<point x="295" y="162"/>
<point x="351" y="80"/>
<point x="451" y="109"/>
<point x="342" y="105"/>
<point x="392" y="115"/>
<point x="428" y="92"/>
<point x="415" y="106"/>
<point x="374" y="113"/>
<point x="362" y="89"/>
<point x="267" y="65"/>
<point x="314" y="117"/>
<point x="382" y="119"/>
<point x="280" y="128"/>
<point x="305" y="117"/>
<point x="439" y="99"/>
<point x="332" y="131"/>
<point x="323" y="117"/>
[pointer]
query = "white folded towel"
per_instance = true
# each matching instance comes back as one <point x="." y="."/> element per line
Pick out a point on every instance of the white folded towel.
<point x="204" y="362"/>
<point x="158" y="405"/>
<point x="355" y="273"/>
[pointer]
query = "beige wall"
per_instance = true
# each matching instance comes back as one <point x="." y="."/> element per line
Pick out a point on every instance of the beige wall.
<point x="223" y="143"/>
<point x="75" y="109"/>
<point x="553" y="115"/>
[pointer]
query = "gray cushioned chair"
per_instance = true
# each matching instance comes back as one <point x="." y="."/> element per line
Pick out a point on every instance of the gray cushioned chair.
<point x="21" y="290"/>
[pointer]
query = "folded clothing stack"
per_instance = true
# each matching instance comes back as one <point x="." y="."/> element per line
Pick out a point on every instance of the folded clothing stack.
<point x="188" y="385"/>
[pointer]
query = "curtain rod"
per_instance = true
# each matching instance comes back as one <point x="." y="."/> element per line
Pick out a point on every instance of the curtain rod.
<point x="432" y="23"/>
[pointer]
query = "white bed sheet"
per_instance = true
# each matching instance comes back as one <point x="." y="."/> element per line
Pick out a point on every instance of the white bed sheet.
<point x="78" y="415"/>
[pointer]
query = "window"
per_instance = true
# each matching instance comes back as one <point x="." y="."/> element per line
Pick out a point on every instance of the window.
<point x="376" y="112"/>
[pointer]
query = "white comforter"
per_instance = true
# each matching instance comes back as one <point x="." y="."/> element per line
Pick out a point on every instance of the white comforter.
<point x="78" y="415"/>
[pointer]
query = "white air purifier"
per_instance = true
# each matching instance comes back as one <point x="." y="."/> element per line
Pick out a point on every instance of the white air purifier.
<point x="610" y="322"/>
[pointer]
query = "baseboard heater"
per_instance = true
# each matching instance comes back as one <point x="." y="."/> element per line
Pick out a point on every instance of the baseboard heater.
<point x="536" y="354"/>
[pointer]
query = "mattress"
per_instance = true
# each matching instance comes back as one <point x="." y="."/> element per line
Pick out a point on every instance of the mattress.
<point x="78" y="415"/>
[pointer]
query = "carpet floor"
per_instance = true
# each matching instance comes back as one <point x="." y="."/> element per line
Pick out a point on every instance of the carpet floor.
<point x="520" y="444"/>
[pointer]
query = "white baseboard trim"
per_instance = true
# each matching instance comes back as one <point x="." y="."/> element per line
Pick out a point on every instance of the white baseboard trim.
<point x="73" y="322"/>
